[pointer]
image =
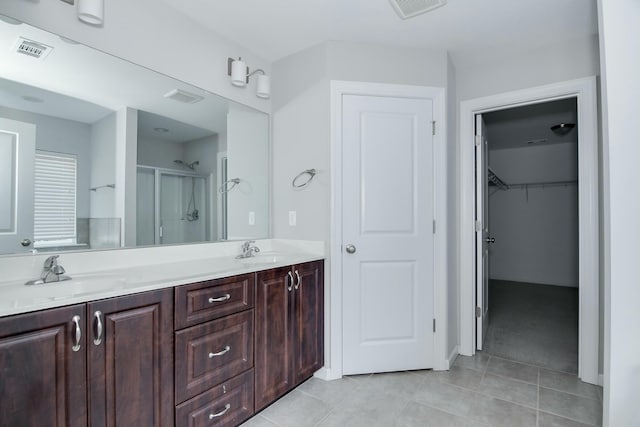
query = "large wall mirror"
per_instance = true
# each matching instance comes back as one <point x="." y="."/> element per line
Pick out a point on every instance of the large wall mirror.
<point x="97" y="152"/>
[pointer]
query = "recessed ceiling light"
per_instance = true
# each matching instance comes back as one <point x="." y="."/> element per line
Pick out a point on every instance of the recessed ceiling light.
<point x="161" y="130"/>
<point x="32" y="99"/>
<point x="562" y="128"/>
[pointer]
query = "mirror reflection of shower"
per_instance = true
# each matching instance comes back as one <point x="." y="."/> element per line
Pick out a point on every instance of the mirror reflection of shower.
<point x="191" y="165"/>
<point x="192" y="210"/>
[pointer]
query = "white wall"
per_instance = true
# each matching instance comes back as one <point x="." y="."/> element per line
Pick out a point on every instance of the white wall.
<point x="248" y="160"/>
<point x="301" y="129"/>
<point x="536" y="229"/>
<point x="103" y="152"/>
<point x="62" y="136"/>
<point x="620" y="43"/>
<point x="159" y="153"/>
<point x="453" y="301"/>
<point x="151" y="34"/>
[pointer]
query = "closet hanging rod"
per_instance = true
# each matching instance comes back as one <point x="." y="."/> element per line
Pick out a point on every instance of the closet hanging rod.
<point x="545" y="183"/>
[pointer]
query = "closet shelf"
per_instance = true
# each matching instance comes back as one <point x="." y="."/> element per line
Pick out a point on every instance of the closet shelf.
<point x="542" y="184"/>
<point x="495" y="180"/>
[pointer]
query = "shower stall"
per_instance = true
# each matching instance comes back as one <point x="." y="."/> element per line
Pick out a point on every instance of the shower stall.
<point x="172" y="206"/>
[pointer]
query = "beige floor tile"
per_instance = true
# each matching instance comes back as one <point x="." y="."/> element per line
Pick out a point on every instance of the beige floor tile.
<point x="478" y="361"/>
<point x="567" y="383"/>
<point x="510" y="390"/>
<point x="549" y="420"/>
<point x="570" y="406"/>
<point x="499" y="413"/>
<point x="373" y="403"/>
<point x="446" y="397"/>
<point x="462" y="377"/>
<point x="417" y="415"/>
<point x="330" y="392"/>
<point x="296" y="410"/>
<point x="258" y="421"/>
<point x="514" y="370"/>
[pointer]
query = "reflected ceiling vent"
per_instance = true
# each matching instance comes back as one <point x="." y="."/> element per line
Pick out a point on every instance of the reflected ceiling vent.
<point x="410" y="8"/>
<point x="183" y="96"/>
<point x="32" y="48"/>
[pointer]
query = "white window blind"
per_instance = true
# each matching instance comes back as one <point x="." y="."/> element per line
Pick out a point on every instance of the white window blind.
<point x="55" y="197"/>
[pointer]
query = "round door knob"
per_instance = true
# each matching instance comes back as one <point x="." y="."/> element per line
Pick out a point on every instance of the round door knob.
<point x="490" y="239"/>
<point x="26" y="242"/>
<point x="351" y="249"/>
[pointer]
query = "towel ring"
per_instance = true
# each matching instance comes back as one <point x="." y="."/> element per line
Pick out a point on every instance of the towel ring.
<point x="310" y="172"/>
<point x="224" y="188"/>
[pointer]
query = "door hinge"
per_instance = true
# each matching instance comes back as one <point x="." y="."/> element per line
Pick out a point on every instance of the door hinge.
<point x="433" y="127"/>
<point x="478" y="140"/>
<point x="478" y="312"/>
<point x="434" y="226"/>
<point x="434" y="325"/>
<point x="478" y="225"/>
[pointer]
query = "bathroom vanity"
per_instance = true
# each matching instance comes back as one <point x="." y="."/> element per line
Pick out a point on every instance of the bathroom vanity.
<point x="203" y="352"/>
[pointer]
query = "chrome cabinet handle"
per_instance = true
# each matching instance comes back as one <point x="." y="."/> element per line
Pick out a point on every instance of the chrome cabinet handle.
<point x="290" y="285"/>
<point x="219" y="299"/>
<point x="220" y="353"/>
<point x="298" y="280"/>
<point x="78" y="333"/>
<point x="351" y="249"/>
<point x="221" y="413"/>
<point x="97" y="332"/>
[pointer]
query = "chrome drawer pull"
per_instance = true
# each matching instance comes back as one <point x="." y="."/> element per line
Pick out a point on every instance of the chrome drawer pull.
<point x="290" y="285"/>
<point x="298" y="280"/>
<point x="220" y="353"/>
<point x="97" y="337"/>
<point x="78" y="333"/>
<point x="221" y="413"/>
<point x="222" y="298"/>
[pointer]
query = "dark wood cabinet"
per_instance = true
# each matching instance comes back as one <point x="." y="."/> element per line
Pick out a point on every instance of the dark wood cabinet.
<point x="42" y="378"/>
<point x="104" y="363"/>
<point x="130" y="364"/>
<point x="289" y="329"/>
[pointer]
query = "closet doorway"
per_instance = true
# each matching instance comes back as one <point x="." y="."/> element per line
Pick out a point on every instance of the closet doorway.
<point x="475" y="304"/>
<point x="528" y="250"/>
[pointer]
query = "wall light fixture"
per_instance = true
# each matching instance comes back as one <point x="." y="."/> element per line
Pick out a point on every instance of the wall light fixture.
<point x="240" y="74"/>
<point x="91" y="11"/>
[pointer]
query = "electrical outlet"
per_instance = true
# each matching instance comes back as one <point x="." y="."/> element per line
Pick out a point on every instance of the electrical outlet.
<point x="252" y="218"/>
<point x="292" y="218"/>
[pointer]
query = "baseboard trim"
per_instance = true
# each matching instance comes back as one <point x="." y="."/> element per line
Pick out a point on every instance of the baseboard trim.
<point x="326" y="374"/>
<point x="452" y="357"/>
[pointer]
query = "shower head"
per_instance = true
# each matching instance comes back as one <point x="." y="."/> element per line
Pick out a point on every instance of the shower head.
<point x="191" y="165"/>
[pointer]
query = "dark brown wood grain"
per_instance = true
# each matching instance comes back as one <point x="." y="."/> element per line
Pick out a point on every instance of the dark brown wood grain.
<point x="195" y="370"/>
<point x="273" y="336"/>
<point x="309" y="320"/>
<point x="131" y="371"/>
<point x="192" y="301"/>
<point x="42" y="381"/>
<point x="236" y="392"/>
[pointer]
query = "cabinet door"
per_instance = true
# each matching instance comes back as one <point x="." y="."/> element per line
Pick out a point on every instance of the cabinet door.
<point x="42" y="378"/>
<point x="273" y="335"/>
<point x="309" y="319"/>
<point x="131" y="368"/>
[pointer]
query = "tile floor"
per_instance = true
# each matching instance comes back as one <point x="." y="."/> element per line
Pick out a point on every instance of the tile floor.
<point x="482" y="390"/>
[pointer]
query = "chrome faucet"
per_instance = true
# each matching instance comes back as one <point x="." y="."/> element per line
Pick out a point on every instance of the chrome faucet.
<point x="51" y="272"/>
<point x="248" y="250"/>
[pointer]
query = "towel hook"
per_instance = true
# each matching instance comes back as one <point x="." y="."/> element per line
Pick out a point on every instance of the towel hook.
<point x="310" y="172"/>
<point x="225" y="188"/>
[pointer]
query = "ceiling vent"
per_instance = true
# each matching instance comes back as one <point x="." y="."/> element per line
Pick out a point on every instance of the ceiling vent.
<point x="410" y="8"/>
<point x="183" y="96"/>
<point x="32" y="48"/>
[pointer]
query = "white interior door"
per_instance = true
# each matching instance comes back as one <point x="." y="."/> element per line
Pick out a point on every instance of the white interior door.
<point x="482" y="233"/>
<point x="17" y="153"/>
<point x="388" y="244"/>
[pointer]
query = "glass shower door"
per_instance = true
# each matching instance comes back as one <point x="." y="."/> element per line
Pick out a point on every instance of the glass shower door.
<point x="182" y="209"/>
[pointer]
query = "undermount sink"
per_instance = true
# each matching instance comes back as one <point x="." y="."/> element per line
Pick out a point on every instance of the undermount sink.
<point x="263" y="258"/>
<point x="77" y="286"/>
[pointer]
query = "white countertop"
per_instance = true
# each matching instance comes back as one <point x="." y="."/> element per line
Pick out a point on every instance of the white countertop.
<point x="138" y="274"/>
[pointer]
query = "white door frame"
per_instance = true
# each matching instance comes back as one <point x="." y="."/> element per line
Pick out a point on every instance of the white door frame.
<point x="333" y="311"/>
<point x="585" y="92"/>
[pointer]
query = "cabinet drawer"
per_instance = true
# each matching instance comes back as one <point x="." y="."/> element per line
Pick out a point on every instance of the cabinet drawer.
<point x="213" y="352"/>
<point x="227" y="404"/>
<point x="203" y="301"/>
